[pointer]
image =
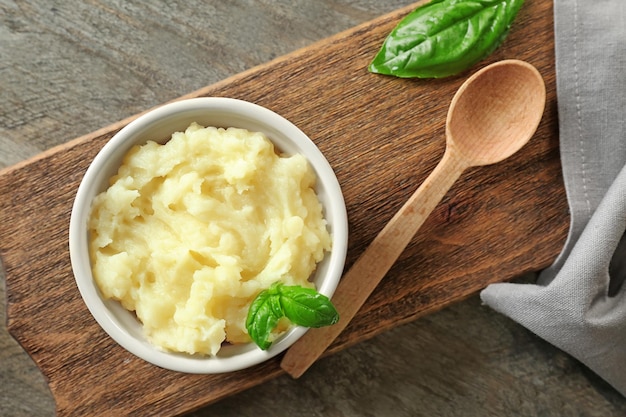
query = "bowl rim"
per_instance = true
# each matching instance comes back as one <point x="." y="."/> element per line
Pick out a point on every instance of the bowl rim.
<point x="103" y="311"/>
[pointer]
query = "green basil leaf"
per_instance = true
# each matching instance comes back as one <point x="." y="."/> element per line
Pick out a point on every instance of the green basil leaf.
<point x="445" y="37"/>
<point x="302" y="306"/>
<point x="263" y="316"/>
<point x="306" y="307"/>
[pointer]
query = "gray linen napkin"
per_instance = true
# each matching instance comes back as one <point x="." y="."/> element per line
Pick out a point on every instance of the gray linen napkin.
<point x="579" y="304"/>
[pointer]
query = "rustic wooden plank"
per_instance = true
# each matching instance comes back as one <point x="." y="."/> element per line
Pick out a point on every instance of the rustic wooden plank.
<point x="381" y="135"/>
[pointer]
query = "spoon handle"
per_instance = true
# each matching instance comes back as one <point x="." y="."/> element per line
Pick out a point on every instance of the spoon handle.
<point x="369" y="269"/>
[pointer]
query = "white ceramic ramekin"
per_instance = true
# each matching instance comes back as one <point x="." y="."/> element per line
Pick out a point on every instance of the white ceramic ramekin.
<point x="158" y="125"/>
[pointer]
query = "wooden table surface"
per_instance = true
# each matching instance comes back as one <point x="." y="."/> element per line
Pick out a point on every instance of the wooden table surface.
<point x="70" y="69"/>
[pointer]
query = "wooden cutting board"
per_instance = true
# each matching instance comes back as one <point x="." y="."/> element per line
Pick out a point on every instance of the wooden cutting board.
<point x="381" y="135"/>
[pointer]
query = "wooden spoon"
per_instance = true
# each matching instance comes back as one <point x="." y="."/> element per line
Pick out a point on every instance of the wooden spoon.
<point x="494" y="113"/>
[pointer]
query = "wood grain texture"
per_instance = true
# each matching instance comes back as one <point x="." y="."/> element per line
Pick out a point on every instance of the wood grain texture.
<point x="381" y="135"/>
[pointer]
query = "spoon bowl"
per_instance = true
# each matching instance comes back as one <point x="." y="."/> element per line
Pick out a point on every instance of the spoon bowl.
<point x="496" y="111"/>
<point x="493" y="114"/>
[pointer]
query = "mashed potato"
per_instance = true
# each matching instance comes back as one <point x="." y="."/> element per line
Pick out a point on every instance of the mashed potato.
<point x="189" y="232"/>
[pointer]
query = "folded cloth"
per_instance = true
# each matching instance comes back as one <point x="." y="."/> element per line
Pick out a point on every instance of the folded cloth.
<point x="579" y="303"/>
